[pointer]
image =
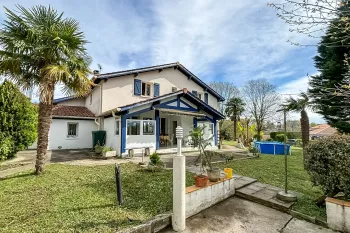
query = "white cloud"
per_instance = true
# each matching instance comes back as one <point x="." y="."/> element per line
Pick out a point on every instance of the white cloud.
<point x="226" y="40"/>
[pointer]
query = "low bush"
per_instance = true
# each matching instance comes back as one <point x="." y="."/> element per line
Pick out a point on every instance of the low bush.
<point x="273" y="136"/>
<point x="280" y="137"/>
<point x="6" y="147"/>
<point x="155" y="164"/>
<point x="327" y="160"/>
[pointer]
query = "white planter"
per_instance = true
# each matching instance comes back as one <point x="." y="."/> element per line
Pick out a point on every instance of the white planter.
<point x="338" y="214"/>
<point x="110" y="154"/>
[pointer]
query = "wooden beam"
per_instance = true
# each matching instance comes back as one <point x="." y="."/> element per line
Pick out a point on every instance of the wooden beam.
<point x="160" y="70"/>
<point x="175" y="67"/>
<point x="136" y="74"/>
<point x="190" y="77"/>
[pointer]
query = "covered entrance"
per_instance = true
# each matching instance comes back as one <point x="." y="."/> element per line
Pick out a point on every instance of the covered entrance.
<point x="152" y="123"/>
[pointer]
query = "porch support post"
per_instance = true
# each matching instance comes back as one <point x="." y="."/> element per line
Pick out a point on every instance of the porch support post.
<point x="156" y="116"/>
<point x="195" y="122"/>
<point x="215" y="132"/>
<point x="123" y="135"/>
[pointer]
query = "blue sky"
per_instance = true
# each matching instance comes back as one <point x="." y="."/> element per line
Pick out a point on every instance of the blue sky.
<point x="217" y="40"/>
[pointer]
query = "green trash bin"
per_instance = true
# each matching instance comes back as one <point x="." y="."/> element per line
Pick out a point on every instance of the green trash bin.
<point x="98" y="137"/>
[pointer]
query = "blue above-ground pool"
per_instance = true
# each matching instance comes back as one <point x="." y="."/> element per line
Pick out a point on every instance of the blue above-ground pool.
<point x="273" y="148"/>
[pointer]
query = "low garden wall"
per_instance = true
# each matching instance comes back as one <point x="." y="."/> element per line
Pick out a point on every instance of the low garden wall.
<point x="198" y="199"/>
<point x="338" y="214"/>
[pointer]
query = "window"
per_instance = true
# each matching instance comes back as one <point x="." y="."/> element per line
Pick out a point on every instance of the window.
<point x="148" y="128"/>
<point x="173" y="89"/>
<point x="211" y="128"/>
<point x="146" y="89"/>
<point x="200" y="95"/>
<point x="72" y="130"/>
<point x="117" y="126"/>
<point x="133" y="127"/>
<point x="90" y="99"/>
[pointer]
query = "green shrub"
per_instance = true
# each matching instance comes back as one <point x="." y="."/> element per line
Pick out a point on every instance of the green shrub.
<point x="294" y="135"/>
<point x="291" y="135"/>
<point x="6" y="147"/>
<point x="273" y="135"/>
<point x="226" y="130"/>
<point x="18" y="117"/>
<point x="328" y="161"/>
<point x="280" y="137"/>
<point x="155" y="159"/>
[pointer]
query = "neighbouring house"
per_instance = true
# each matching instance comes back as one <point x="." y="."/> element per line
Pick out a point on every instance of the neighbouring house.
<point x="138" y="108"/>
<point x="322" y="130"/>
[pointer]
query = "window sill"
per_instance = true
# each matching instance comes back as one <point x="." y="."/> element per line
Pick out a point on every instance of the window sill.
<point x="72" y="138"/>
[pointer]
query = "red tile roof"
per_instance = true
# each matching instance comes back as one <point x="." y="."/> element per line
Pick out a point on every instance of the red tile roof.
<point x="322" y="130"/>
<point x="71" y="111"/>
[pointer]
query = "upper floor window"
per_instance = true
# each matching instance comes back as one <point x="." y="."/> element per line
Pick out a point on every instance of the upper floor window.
<point x="146" y="89"/>
<point x="200" y="95"/>
<point x="90" y="98"/>
<point x="173" y="89"/>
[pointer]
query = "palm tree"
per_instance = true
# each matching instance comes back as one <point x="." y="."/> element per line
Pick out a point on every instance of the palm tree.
<point x="39" y="49"/>
<point x="300" y="105"/>
<point x="234" y="109"/>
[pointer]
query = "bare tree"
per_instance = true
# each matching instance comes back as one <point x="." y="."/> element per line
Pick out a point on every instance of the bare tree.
<point x="227" y="90"/>
<point x="314" y="18"/>
<point x="262" y="101"/>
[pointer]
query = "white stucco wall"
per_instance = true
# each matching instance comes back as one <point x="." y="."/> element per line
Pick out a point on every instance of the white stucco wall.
<point x="338" y="214"/>
<point x="203" y="198"/>
<point x="119" y="91"/>
<point x="96" y="96"/>
<point x="112" y="140"/>
<point x="74" y="102"/>
<point x="58" y="134"/>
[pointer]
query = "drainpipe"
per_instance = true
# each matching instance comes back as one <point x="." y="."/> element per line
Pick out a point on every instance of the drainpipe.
<point x="100" y="108"/>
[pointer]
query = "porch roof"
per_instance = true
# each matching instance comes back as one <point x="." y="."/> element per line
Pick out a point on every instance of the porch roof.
<point x="202" y="106"/>
<point x="180" y="112"/>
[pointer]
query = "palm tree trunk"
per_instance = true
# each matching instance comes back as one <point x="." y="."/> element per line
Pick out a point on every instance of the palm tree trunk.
<point x="44" y="122"/>
<point x="235" y="129"/>
<point x="304" y="122"/>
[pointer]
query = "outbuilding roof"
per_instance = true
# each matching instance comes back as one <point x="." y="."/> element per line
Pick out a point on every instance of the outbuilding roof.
<point x="71" y="111"/>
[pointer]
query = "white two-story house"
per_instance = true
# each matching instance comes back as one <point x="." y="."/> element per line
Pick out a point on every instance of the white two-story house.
<point x="138" y="108"/>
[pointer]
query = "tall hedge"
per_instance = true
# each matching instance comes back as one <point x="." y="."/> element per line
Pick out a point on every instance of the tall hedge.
<point x="291" y="135"/>
<point x="328" y="162"/>
<point x="18" y="117"/>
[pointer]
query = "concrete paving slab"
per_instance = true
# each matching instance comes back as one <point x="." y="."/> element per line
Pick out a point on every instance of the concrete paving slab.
<point x="239" y="216"/>
<point x="246" y="190"/>
<point x="300" y="226"/>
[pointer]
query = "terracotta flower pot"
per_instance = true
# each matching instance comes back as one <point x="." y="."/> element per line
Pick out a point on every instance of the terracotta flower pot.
<point x="201" y="180"/>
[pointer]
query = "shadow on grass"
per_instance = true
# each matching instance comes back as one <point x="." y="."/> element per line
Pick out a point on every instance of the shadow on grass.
<point x="18" y="176"/>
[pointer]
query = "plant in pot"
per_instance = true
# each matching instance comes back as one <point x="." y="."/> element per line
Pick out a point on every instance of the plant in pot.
<point x="204" y="158"/>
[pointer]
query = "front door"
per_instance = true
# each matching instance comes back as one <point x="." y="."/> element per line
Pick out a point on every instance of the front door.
<point x="174" y="132"/>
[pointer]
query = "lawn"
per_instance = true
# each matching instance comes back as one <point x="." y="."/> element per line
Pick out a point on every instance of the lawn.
<point x="77" y="198"/>
<point x="270" y="169"/>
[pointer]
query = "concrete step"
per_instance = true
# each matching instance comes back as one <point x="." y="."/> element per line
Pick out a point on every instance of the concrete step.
<point x="264" y="194"/>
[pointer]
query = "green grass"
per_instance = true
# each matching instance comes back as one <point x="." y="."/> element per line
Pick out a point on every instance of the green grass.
<point x="230" y="143"/>
<point x="77" y="198"/>
<point x="270" y="169"/>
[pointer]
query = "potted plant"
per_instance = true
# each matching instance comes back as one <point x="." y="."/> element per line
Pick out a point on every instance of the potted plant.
<point x="108" y="152"/>
<point x="204" y="158"/>
<point x="105" y="151"/>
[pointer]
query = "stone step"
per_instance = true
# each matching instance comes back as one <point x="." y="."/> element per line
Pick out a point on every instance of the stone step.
<point x="264" y="194"/>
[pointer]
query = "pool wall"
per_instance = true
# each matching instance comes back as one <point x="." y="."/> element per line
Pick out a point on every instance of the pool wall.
<point x="272" y="148"/>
